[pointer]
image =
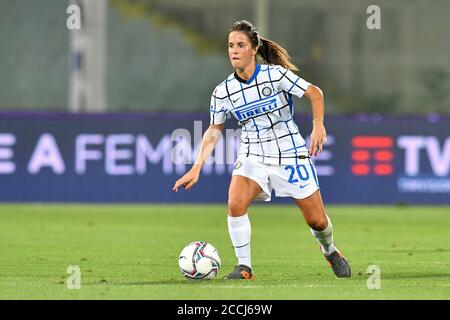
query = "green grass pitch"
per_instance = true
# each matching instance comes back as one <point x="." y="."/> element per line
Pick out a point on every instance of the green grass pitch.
<point x="131" y="252"/>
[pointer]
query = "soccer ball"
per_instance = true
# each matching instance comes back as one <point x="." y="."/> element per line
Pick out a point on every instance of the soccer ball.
<point x="199" y="260"/>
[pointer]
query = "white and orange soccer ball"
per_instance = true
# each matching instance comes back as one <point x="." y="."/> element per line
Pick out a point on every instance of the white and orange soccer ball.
<point x="199" y="260"/>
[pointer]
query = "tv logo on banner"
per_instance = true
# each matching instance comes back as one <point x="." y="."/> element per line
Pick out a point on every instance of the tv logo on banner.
<point x="375" y="154"/>
<point x="372" y="148"/>
<point x="416" y="178"/>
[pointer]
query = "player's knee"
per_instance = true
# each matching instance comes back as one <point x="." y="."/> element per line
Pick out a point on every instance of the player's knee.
<point x="237" y="207"/>
<point x="318" y="223"/>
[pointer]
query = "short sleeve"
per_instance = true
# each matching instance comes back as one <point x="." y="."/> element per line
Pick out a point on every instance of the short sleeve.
<point x="218" y="108"/>
<point x="291" y="83"/>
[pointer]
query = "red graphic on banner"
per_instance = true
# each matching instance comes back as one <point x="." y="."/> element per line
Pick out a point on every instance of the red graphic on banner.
<point x="372" y="155"/>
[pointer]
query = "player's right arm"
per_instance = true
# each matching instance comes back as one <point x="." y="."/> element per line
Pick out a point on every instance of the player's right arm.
<point x="209" y="142"/>
<point x="218" y="110"/>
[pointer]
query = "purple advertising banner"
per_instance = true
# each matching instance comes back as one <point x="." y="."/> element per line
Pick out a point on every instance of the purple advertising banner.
<point x="61" y="157"/>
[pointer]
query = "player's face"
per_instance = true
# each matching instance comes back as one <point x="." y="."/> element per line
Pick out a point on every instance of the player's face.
<point x="240" y="50"/>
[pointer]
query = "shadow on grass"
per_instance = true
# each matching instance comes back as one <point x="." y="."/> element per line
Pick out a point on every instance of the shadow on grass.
<point x="186" y="282"/>
<point x="394" y="276"/>
<point x="159" y="283"/>
<point x="287" y="281"/>
<point x="412" y="250"/>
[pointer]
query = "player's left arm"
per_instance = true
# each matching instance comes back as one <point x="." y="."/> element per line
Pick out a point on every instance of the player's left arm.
<point x="318" y="134"/>
<point x="293" y="84"/>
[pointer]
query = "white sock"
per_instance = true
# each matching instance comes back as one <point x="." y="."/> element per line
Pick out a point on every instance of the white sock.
<point x="240" y="231"/>
<point x="325" y="238"/>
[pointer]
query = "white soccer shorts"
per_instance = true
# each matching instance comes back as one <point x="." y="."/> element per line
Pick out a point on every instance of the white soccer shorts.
<point x="296" y="181"/>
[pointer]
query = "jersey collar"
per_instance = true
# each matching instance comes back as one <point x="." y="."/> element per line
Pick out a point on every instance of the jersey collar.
<point x="258" y="67"/>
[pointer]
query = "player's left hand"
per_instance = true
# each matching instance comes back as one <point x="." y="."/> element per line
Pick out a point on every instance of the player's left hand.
<point x="318" y="138"/>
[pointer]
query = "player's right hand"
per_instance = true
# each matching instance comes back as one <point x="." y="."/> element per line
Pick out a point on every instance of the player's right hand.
<point x="188" y="180"/>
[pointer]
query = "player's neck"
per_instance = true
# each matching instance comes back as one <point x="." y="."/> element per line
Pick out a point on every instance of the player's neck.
<point x="247" y="72"/>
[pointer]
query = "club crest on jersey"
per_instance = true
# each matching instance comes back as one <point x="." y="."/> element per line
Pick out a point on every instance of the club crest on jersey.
<point x="252" y="110"/>
<point x="266" y="91"/>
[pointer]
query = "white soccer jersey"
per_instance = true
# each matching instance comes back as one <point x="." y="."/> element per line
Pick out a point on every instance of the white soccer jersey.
<point x="263" y="107"/>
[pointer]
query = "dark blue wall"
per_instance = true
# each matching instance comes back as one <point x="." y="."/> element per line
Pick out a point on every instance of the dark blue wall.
<point x="368" y="159"/>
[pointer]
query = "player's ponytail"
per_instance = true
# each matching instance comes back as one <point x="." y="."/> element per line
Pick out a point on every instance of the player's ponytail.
<point x="273" y="53"/>
<point x="270" y="51"/>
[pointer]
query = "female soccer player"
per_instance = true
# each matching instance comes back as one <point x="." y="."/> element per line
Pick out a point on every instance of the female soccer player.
<point x="273" y="154"/>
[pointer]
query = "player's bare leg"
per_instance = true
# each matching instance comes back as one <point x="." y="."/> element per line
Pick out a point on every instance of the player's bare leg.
<point x="241" y="193"/>
<point x="314" y="213"/>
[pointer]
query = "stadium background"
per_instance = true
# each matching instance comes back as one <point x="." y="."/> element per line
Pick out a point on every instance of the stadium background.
<point x="144" y="59"/>
<point x="94" y="115"/>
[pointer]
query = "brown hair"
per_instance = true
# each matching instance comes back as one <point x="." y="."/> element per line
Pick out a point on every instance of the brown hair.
<point x="270" y="51"/>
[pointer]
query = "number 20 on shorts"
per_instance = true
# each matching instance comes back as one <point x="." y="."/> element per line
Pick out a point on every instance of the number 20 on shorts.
<point x="301" y="171"/>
